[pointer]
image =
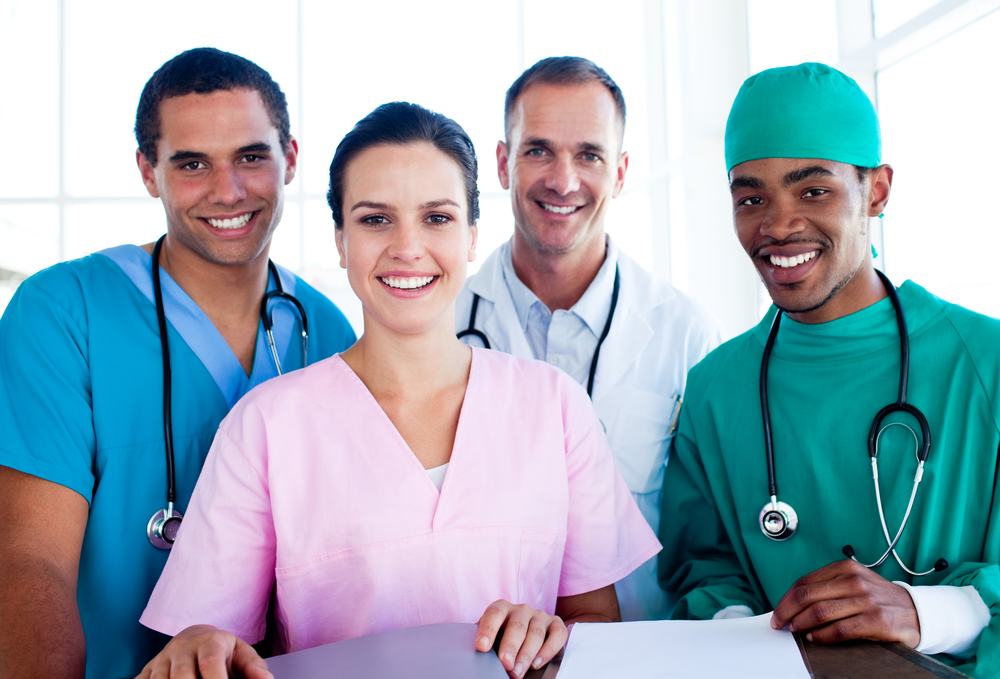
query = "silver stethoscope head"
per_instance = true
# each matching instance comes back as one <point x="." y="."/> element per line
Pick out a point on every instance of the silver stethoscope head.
<point x="778" y="520"/>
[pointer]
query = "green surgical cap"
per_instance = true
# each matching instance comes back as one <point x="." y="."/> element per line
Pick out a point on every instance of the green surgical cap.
<point x="804" y="111"/>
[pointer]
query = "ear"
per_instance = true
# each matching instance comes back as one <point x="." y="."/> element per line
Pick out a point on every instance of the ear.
<point x="503" y="172"/>
<point x="339" y="237"/>
<point x="620" y="180"/>
<point x="472" y="244"/>
<point x="880" y="184"/>
<point x="148" y="173"/>
<point x="291" y="160"/>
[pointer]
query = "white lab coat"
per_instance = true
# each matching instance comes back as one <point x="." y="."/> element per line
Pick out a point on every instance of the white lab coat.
<point x="658" y="333"/>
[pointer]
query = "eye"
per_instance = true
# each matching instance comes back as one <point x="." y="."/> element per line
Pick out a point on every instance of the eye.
<point x="374" y="220"/>
<point x="591" y="157"/>
<point x="251" y="158"/>
<point x="193" y="165"/>
<point x="811" y="193"/>
<point x="535" y="152"/>
<point x="439" y="219"/>
<point x="752" y="200"/>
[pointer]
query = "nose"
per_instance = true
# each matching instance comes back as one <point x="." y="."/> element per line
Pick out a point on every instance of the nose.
<point x="782" y="219"/>
<point x="563" y="177"/>
<point x="406" y="244"/>
<point x="227" y="186"/>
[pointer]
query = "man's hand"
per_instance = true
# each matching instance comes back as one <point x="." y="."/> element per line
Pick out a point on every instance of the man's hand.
<point x="207" y="652"/>
<point x="845" y="601"/>
<point x="530" y="639"/>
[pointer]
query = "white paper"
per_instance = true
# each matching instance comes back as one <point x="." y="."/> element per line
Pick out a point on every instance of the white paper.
<point x="744" y="647"/>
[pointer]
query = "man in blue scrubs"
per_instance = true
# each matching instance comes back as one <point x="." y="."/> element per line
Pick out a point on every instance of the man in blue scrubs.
<point x="82" y="458"/>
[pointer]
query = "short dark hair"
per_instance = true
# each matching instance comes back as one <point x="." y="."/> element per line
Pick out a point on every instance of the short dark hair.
<point x="863" y="172"/>
<point x="402" y="123"/>
<point x="562" y="71"/>
<point x="201" y="71"/>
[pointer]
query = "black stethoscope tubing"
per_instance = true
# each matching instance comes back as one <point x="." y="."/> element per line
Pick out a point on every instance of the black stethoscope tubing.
<point x="163" y="525"/>
<point x="899" y="406"/>
<point x="471" y="330"/>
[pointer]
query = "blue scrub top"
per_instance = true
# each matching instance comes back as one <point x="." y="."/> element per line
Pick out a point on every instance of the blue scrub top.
<point x="81" y="389"/>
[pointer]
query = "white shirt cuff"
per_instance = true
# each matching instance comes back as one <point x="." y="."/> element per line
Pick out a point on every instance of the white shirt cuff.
<point x="951" y="618"/>
<point x="730" y="612"/>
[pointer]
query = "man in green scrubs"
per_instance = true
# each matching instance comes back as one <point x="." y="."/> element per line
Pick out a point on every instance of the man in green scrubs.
<point x="803" y="152"/>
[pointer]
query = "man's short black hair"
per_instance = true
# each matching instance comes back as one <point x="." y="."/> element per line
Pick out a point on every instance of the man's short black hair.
<point x="201" y="71"/>
<point x="562" y="71"/>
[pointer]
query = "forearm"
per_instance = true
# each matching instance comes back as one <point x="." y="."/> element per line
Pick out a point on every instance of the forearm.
<point x="42" y="635"/>
<point x="601" y="605"/>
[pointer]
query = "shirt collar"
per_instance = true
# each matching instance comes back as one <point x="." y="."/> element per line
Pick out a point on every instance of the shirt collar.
<point x="592" y="308"/>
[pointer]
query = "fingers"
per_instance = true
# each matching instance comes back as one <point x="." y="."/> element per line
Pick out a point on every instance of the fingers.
<point x="530" y="637"/>
<point x="490" y="624"/>
<point x="855" y="603"/>
<point x="205" y="652"/>
<point x="246" y="660"/>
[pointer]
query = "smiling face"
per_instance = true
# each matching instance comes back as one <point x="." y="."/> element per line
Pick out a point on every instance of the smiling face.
<point x="406" y="241"/>
<point x="804" y="224"/>
<point x="220" y="174"/>
<point x="563" y="164"/>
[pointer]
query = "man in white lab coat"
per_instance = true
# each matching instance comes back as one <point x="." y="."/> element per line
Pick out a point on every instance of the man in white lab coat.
<point x="561" y="291"/>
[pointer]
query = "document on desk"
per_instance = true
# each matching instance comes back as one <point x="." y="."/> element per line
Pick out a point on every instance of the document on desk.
<point x="744" y="647"/>
<point x="444" y="651"/>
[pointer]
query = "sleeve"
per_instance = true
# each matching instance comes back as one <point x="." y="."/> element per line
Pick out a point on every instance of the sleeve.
<point x="46" y="410"/>
<point x="221" y="569"/>
<point x="985" y="578"/>
<point x="950" y="618"/>
<point x="606" y="537"/>
<point x="698" y="563"/>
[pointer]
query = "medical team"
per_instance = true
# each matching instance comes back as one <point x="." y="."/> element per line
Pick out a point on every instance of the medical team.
<point x="410" y="479"/>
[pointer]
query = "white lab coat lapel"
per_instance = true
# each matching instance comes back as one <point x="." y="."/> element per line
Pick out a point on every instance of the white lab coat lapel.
<point x="630" y="332"/>
<point x="498" y="318"/>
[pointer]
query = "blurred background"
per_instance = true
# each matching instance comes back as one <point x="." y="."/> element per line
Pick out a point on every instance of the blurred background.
<point x="71" y="73"/>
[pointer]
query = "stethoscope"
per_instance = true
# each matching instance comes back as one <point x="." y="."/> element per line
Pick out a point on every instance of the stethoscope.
<point x="162" y="526"/>
<point x="471" y="330"/>
<point x="778" y="520"/>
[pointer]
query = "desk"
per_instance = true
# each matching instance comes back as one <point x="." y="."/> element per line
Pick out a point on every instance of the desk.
<point x="849" y="660"/>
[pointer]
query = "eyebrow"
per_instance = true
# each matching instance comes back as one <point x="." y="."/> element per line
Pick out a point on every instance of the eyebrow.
<point x="256" y="147"/>
<point x="583" y="146"/>
<point x="371" y="205"/>
<point x="795" y="176"/>
<point x="430" y="205"/>
<point x="746" y="183"/>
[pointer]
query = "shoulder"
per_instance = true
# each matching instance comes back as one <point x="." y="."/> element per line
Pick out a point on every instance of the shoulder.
<point x="70" y="287"/>
<point x="522" y="376"/>
<point x="319" y="305"/>
<point x="732" y="360"/>
<point x="666" y="307"/>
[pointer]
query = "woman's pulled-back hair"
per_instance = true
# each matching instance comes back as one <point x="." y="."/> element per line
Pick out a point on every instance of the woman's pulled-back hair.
<point x="402" y="123"/>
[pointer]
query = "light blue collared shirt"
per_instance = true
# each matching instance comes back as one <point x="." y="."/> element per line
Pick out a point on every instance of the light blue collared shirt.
<point x="565" y="338"/>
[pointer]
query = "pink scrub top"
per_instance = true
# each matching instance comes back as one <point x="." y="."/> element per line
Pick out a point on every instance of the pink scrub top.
<point x="309" y="484"/>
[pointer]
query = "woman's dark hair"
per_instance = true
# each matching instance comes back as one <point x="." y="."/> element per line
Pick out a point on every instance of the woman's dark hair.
<point x="403" y="123"/>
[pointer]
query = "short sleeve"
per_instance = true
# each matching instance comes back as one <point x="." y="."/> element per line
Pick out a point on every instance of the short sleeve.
<point x="46" y="413"/>
<point x="607" y="536"/>
<point x="221" y="568"/>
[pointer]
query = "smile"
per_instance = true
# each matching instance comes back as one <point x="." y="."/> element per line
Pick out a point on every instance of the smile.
<point x="235" y="223"/>
<point x="407" y="283"/>
<point x="560" y="210"/>
<point x="789" y="262"/>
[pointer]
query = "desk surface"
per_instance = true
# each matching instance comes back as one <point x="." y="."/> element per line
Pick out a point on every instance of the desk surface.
<point x="849" y="660"/>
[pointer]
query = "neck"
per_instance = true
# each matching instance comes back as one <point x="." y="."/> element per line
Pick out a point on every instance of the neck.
<point x="864" y="289"/>
<point x="419" y="365"/>
<point x="225" y="293"/>
<point x="558" y="279"/>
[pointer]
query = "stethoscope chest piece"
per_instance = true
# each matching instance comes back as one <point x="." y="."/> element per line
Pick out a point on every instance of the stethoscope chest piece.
<point x="778" y="520"/>
<point x="162" y="527"/>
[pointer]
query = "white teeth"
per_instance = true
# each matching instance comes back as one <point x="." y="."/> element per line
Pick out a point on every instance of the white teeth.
<point x="231" y="223"/>
<point x="560" y="210"/>
<point x="789" y="262"/>
<point x="407" y="283"/>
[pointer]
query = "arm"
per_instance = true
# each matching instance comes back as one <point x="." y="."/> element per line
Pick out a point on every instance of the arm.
<point x="532" y="637"/>
<point x="698" y="562"/>
<point x="40" y="540"/>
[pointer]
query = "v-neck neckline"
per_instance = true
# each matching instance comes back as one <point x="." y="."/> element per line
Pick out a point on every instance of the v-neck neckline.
<point x="404" y="447"/>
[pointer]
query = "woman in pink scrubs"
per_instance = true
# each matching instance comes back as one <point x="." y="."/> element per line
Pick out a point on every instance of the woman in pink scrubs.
<point x="410" y="480"/>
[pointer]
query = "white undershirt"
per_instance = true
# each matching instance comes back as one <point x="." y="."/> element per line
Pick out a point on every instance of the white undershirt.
<point x="436" y="475"/>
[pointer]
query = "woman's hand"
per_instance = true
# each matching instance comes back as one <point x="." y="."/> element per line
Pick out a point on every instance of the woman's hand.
<point x="530" y="639"/>
<point x="207" y="652"/>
